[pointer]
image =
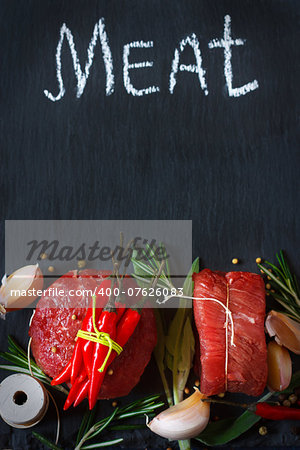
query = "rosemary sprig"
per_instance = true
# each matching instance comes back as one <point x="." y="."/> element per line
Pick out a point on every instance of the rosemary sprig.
<point x="45" y="441"/>
<point x="139" y="408"/>
<point x="18" y="357"/>
<point x="145" y="272"/>
<point x="86" y="423"/>
<point x="284" y="284"/>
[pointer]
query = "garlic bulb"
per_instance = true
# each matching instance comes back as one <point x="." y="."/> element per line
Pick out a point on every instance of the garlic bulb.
<point x="182" y="421"/>
<point x="21" y="288"/>
<point x="279" y="367"/>
<point x="285" y="330"/>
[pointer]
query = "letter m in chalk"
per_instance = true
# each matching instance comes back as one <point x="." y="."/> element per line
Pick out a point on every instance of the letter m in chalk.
<point x="99" y="31"/>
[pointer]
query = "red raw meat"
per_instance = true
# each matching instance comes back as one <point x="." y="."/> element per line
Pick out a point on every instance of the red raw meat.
<point x="247" y="360"/>
<point x="52" y="326"/>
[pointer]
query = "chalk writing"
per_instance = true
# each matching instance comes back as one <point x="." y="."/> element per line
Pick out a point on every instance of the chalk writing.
<point x="194" y="43"/>
<point x="227" y="42"/>
<point x="127" y="82"/>
<point x="99" y="30"/>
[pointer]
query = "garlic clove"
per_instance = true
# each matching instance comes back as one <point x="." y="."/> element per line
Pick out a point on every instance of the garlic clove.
<point x="20" y="288"/>
<point x="285" y="330"/>
<point x="182" y="421"/>
<point x="279" y="367"/>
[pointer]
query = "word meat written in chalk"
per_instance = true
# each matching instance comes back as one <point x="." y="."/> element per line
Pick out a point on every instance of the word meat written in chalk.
<point x="226" y="42"/>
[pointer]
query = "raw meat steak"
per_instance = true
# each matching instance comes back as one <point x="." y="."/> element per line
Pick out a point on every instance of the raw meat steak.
<point x="52" y="326"/>
<point x="247" y="361"/>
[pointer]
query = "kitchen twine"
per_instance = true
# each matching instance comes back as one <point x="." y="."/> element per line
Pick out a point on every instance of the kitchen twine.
<point x="100" y="338"/>
<point x="228" y="316"/>
<point x="49" y="393"/>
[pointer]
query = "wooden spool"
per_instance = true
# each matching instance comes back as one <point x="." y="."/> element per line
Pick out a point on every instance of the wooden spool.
<point x="23" y="401"/>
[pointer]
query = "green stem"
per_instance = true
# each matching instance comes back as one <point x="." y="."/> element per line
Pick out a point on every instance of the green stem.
<point x="60" y="388"/>
<point x="176" y="394"/>
<point x="166" y="386"/>
<point x="288" y="289"/>
<point x="86" y="436"/>
<point x="185" y="445"/>
<point x="159" y="354"/>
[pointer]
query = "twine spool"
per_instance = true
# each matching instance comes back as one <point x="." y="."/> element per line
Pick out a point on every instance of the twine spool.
<point x="23" y="401"/>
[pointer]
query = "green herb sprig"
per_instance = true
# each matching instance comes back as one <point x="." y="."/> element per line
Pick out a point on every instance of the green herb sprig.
<point x="284" y="285"/>
<point x="87" y="431"/>
<point x="144" y="272"/>
<point x="138" y="409"/>
<point x="18" y="357"/>
<point x="45" y="441"/>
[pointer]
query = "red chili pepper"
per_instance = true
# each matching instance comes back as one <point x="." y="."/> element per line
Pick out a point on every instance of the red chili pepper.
<point x="72" y="369"/>
<point x="106" y="324"/>
<point x="75" y="389"/>
<point x="86" y="348"/>
<point x="120" y="309"/>
<point x="64" y="375"/>
<point x="82" y="376"/>
<point x="272" y="412"/>
<point x="125" y="329"/>
<point x="120" y="302"/>
<point x="120" y="333"/>
<point x="76" y="361"/>
<point x="89" y="346"/>
<point x="83" y="349"/>
<point x="82" y="393"/>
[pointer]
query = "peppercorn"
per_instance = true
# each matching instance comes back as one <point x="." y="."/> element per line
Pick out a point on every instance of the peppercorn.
<point x="263" y="431"/>
<point x="293" y="398"/>
<point x="281" y="397"/>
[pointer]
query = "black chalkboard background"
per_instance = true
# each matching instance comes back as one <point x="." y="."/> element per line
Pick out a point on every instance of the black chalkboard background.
<point x="229" y="164"/>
